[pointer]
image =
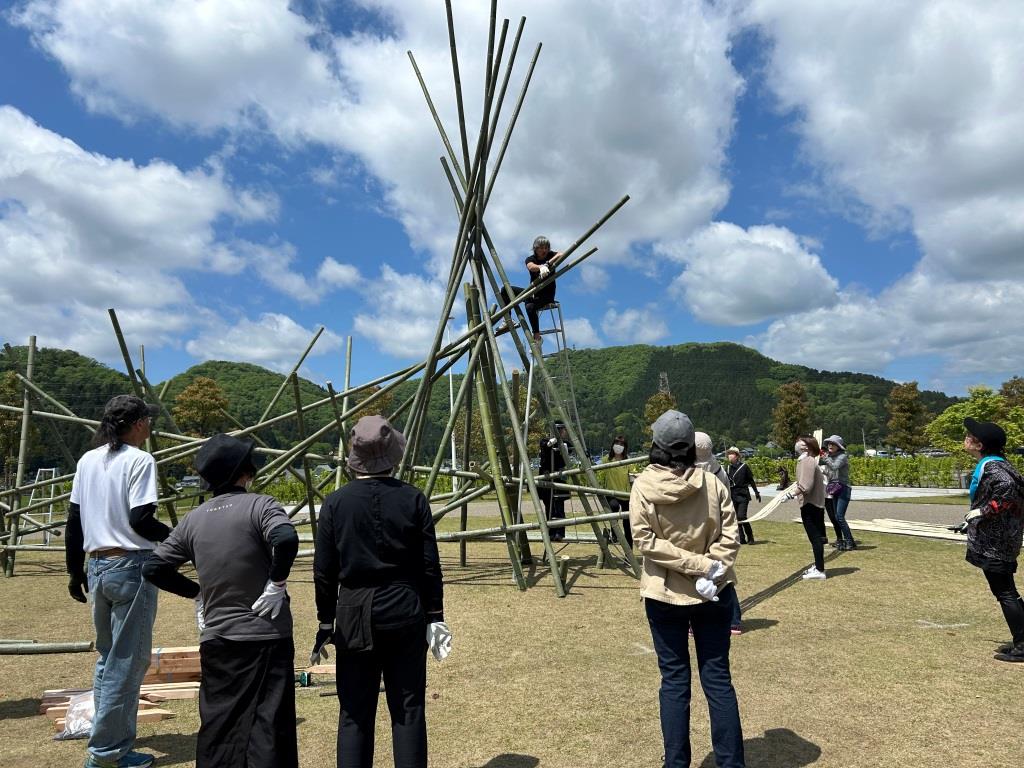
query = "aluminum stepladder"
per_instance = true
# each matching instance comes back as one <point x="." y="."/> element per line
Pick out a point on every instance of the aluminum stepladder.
<point x="48" y="473"/>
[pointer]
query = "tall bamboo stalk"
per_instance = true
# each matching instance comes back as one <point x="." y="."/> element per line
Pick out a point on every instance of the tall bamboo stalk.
<point x="19" y="479"/>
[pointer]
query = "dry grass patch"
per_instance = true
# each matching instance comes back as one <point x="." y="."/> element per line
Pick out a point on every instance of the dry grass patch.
<point x="886" y="663"/>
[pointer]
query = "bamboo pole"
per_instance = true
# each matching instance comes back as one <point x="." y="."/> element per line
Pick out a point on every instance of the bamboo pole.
<point x="458" y="80"/>
<point x="294" y="370"/>
<point x="153" y="443"/>
<point x="492" y="442"/>
<point x="19" y="649"/>
<point x="339" y="474"/>
<point x="305" y="463"/>
<point x="19" y="479"/>
<point x="52" y="400"/>
<point x="164" y="411"/>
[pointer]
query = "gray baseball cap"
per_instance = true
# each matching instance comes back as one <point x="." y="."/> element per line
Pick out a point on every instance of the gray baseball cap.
<point x="673" y="431"/>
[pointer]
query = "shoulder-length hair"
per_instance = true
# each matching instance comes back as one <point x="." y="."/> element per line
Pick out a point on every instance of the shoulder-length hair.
<point x="625" y="447"/>
<point x="813" y="449"/>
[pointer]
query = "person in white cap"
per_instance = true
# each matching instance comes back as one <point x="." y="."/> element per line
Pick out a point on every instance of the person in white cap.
<point x="685" y="527"/>
<point x="379" y="598"/>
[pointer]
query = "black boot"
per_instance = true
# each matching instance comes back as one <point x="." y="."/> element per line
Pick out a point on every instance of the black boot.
<point x="1015" y="654"/>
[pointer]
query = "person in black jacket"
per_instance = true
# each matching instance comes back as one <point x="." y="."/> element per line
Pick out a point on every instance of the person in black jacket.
<point x="741" y="480"/>
<point x="994" y="526"/>
<point x="551" y="460"/>
<point x="379" y="597"/>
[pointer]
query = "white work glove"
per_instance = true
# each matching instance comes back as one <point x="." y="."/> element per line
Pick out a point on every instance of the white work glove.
<point x="552" y="442"/>
<point x="706" y="588"/>
<point x="439" y="638"/>
<point x="788" y="497"/>
<point x="717" y="571"/>
<point x="544" y="271"/>
<point x="271" y="600"/>
<point x="200" y="613"/>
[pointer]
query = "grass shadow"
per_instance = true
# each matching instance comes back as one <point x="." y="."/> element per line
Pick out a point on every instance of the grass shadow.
<point x="510" y="760"/>
<point x="17" y="708"/>
<point x="778" y="748"/>
<point x="752" y="625"/>
<point x="176" y="748"/>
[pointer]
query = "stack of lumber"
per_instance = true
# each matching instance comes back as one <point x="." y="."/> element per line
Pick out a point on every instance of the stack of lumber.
<point x="55" y="703"/>
<point x="173" y="665"/>
<point x="173" y="673"/>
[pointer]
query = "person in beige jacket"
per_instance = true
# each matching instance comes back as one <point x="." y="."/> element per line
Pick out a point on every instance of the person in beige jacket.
<point x="810" y="493"/>
<point x="685" y="528"/>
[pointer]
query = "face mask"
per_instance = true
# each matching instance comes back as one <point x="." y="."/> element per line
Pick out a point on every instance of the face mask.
<point x="800" y="447"/>
<point x="618" y="449"/>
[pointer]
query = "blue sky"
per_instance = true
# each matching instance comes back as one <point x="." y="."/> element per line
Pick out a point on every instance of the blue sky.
<point x="839" y="188"/>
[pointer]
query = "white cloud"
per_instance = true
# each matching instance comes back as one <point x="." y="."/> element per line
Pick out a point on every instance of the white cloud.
<point x="593" y="278"/>
<point x="739" y="277"/>
<point x="271" y="341"/>
<point x="405" y="313"/>
<point x="595" y="129"/>
<point x="927" y="124"/>
<point x="581" y="334"/>
<point x="634" y="326"/>
<point x="334" y="274"/>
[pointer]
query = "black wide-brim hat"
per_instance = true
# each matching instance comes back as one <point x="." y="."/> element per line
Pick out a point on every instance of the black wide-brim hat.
<point x="220" y="458"/>
<point x="992" y="436"/>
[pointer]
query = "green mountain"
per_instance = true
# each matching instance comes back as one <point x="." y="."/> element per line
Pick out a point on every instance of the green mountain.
<point x="727" y="389"/>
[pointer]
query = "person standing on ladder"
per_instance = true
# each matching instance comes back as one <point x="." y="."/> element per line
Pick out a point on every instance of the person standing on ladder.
<point x="540" y="263"/>
<point x="551" y="460"/>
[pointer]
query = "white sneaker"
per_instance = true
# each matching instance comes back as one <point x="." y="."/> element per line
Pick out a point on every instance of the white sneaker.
<point x="813" y="573"/>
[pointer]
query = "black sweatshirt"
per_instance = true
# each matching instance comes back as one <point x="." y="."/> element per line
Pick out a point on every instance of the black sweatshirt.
<point x="378" y="532"/>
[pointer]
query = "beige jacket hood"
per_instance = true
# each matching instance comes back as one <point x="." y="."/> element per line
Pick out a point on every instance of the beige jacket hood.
<point x="681" y="524"/>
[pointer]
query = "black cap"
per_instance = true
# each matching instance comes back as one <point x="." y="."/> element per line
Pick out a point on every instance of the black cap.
<point x="991" y="436"/>
<point x="220" y="459"/>
<point x="125" y="410"/>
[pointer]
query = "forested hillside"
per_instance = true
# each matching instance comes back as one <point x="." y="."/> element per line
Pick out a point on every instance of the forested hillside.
<point x="728" y="390"/>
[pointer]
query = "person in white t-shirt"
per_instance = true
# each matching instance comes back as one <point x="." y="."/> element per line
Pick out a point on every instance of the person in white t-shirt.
<point x="112" y="517"/>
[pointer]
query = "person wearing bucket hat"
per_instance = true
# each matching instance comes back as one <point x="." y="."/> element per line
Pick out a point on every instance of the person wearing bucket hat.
<point x="684" y="525"/>
<point x="112" y="516"/>
<point x="838" y="490"/>
<point x="379" y="598"/>
<point x="243" y="545"/>
<point x="994" y="526"/>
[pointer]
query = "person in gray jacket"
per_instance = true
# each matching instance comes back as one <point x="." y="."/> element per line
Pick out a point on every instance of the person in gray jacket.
<point x="837" y="467"/>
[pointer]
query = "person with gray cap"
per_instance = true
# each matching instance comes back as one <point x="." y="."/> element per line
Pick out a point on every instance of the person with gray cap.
<point x="540" y="264"/>
<point x="838" y="490"/>
<point x="995" y="525"/>
<point x="112" y="516"/>
<point x="379" y="598"/>
<point x="243" y="545"/>
<point x="684" y="525"/>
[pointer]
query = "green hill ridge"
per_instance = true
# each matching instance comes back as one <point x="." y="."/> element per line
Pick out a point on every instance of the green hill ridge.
<point x="727" y="389"/>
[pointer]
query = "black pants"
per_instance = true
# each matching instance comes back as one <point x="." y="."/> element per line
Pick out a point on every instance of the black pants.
<point x="554" y="509"/>
<point x="746" y="532"/>
<point x="830" y="510"/>
<point x="814" y="525"/>
<point x="1005" y="591"/>
<point x="247" y="704"/>
<point x="532" y="305"/>
<point x="399" y="656"/>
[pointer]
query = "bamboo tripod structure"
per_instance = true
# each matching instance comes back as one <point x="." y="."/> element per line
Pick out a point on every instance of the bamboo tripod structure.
<point x="485" y="399"/>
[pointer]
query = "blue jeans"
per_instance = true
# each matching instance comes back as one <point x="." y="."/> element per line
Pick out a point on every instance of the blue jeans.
<point x="710" y="623"/>
<point x="123" y="611"/>
<point x="842" y="501"/>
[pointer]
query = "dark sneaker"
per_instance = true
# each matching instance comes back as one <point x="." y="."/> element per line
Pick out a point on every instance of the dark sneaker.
<point x="1015" y="654"/>
<point x="1005" y="648"/>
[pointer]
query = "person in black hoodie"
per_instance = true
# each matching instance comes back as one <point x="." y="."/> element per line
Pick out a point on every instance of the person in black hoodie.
<point x="994" y="525"/>
<point x="379" y="598"/>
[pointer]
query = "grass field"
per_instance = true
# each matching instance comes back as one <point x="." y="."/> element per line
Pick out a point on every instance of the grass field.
<point x="886" y="663"/>
<point x="957" y="500"/>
